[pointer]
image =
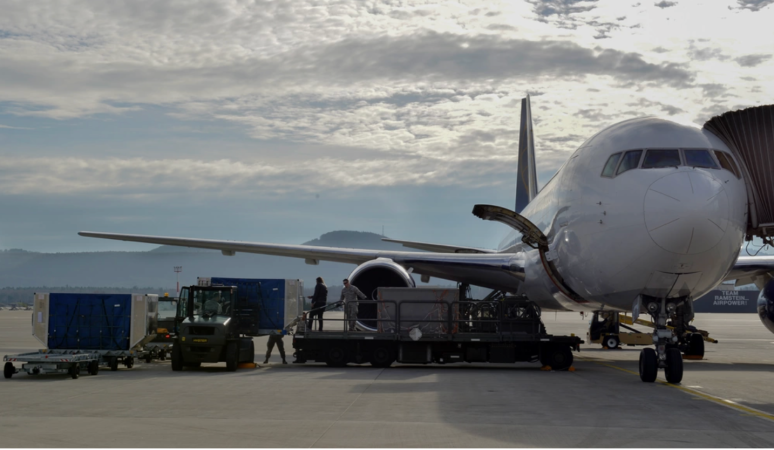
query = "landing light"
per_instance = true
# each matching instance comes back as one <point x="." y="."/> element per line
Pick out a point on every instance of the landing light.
<point x="670" y="307"/>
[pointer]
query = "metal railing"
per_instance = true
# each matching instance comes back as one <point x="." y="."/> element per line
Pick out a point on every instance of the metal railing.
<point x="438" y="318"/>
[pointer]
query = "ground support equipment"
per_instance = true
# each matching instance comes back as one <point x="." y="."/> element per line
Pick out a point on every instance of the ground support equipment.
<point x="71" y="362"/>
<point x="503" y="331"/>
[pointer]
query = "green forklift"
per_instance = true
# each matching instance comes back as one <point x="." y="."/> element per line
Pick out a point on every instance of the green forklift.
<point x="214" y="324"/>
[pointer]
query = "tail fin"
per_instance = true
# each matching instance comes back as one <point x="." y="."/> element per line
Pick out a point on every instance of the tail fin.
<point x="526" y="180"/>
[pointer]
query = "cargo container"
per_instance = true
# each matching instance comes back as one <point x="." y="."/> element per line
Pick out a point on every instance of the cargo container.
<point x="278" y="302"/>
<point x="114" y="325"/>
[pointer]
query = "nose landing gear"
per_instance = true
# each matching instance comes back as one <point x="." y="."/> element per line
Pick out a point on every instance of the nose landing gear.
<point x="666" y="355"/>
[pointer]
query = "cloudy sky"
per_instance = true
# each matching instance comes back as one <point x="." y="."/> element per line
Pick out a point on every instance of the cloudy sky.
<point x="277" y="121"/>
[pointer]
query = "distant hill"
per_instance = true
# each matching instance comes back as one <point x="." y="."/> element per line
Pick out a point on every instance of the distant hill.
<point x="355" y="239"/>
<point x="19" y="268"/>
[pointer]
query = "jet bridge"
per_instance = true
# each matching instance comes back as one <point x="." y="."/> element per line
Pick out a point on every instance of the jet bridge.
<point x="749" y="133"/>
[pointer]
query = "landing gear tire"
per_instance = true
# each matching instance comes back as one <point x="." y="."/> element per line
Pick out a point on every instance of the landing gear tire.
<point x="557" y="357"/>
<point x="93" y="367"/>
<point x="674" y="369"/>
<point x="8" y="370"/>
<point x="382" y="357"/>
<point x="74" y="371"/>
<point x="232" y="356"/>
<point x="177" y="359"/>
<point x="695" y="346"/>
<point x="337" y="357"/>
<point x="611" y="342"/>
<point x="648" y="365"/>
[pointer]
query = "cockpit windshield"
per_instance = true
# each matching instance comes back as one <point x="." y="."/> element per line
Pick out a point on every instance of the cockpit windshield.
<point x="208" y="303"/>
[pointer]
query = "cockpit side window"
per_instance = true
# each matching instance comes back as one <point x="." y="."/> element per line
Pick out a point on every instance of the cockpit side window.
<point x="655" y="159"/>
<point x="612" y="161"/>
<point x="699" y="158"/>
<point x="631" y="160"/>
<point x="727" y="162"/>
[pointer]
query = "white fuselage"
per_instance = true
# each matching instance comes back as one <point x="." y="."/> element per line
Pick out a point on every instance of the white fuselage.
<point x="663" y="232"/>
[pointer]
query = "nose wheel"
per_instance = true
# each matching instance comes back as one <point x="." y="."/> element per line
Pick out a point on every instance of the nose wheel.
<point x="666" y="355"/>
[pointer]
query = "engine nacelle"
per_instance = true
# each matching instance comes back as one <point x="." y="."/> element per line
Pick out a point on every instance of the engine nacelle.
<point x="371" y="275"/>
<point x="766" y="305"/>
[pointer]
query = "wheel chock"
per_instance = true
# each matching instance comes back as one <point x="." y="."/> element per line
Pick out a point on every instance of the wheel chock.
<point x="546" y="368"/>
<point x="571" y="369"/>
<point x="693" y="357"/>
<point x="251" y="365"/>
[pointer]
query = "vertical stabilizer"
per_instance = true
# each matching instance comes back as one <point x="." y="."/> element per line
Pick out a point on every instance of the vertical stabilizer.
<point x="526" y="180"/>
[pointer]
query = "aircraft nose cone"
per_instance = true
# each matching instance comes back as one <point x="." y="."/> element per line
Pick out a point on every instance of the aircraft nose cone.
<point x="686" y="212"/>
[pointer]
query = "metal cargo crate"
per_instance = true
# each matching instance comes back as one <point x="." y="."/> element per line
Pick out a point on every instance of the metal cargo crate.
<point x="111" y="322"/>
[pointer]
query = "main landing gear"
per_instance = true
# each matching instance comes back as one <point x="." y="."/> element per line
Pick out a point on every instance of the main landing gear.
<point x="667" y="339"/>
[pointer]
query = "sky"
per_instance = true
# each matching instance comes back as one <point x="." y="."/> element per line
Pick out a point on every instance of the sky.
<point x="278" y="121"/>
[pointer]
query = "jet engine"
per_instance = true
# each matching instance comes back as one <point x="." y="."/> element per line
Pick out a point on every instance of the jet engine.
<point x="370" y="276"/>
<point x="766" y="305"/>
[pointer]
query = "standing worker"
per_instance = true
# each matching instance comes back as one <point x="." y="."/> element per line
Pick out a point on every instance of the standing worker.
<point x="319" y="300"/>
<point x="349" y="296"/>
<point x="275" y="339"/>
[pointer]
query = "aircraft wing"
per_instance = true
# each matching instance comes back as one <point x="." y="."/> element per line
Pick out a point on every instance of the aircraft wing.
<point x="480" y="269"/>
<point x="440" y="248"/>
<point x="748" y="268"/>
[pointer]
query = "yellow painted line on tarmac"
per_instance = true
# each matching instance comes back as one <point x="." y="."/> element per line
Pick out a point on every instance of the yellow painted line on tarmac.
<point x="699" y="395"/>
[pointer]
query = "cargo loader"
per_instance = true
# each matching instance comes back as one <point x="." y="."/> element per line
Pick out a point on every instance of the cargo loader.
<point x="431" y="325"/>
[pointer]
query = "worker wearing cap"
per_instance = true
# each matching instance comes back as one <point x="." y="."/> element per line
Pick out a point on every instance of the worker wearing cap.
<point x="349" y="296"/>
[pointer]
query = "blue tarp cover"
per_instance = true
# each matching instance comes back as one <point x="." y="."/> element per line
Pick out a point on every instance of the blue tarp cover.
<point x="271" y="302"/>
<point x="89" y="321"/>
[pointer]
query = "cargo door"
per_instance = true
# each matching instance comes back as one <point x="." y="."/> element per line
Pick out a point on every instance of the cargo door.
<point x="40" y="318"/>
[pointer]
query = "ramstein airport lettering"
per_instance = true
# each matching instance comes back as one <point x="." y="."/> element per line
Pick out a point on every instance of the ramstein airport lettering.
<point x="728" y="300"/>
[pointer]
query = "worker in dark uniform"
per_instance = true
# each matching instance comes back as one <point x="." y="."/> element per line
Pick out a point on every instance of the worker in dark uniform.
<point x="275" y="339"/>
<point x="319" y="300"/>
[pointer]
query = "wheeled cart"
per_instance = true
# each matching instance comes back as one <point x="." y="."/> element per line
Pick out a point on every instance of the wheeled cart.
<point x="71" y="362"/>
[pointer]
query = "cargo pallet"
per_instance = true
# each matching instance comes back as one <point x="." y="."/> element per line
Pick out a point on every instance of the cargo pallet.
<point x="502" y="331"/>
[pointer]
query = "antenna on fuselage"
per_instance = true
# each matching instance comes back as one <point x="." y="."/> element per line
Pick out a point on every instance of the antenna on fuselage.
<point x="526" y="178"/>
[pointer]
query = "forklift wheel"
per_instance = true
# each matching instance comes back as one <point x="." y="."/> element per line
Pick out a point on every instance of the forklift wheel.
<point x="9" y="370"/>
<point x="177" y="359"/>
<point x="232" y="356"/>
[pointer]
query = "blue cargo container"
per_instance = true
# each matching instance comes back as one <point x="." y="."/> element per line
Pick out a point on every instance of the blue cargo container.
<point x="89" y="321"/>
<point x="278" y="301"/>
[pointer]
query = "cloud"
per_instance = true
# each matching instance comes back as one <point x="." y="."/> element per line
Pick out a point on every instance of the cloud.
<point x="8" y="127"/>
<point x="561" y="7"/>
<point x="754" y="5"/>
<point x="665" y="4"/>
<point x="751" y="60"/>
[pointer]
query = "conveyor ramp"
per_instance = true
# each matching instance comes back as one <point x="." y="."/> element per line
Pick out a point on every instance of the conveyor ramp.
<point x="749" y="133"/>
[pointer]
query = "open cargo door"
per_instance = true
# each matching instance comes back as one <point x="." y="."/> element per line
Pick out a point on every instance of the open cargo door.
<point x="749" y="133"/>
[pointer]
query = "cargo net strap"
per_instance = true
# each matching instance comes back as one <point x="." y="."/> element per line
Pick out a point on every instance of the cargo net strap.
<point x="750" y="134"/>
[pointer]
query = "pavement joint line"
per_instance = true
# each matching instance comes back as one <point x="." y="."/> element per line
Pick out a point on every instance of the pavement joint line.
<point x="727" y="403"/>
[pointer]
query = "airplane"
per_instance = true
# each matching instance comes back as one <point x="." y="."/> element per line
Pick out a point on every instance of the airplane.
<point x="645" y="216"/>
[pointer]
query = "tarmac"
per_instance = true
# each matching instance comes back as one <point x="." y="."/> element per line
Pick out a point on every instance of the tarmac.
<point x="725" y="400"/>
